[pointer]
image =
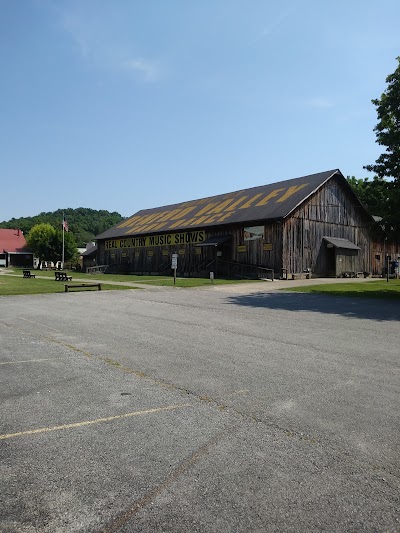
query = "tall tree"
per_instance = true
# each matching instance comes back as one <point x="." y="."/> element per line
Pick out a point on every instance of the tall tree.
<point x="373" y="194"/>
<point x="39" y="239"/>
<point x="46" y="243"/>
<point x="388" y="163"/>
<point x="388" y="128"/>
<point x="56" y="246"/>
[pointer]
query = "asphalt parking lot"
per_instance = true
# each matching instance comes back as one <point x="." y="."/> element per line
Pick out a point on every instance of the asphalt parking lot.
<point x="212" y="410"/>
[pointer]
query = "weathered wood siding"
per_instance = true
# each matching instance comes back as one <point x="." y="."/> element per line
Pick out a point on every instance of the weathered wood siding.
<point x="379" y="250"/>
<point x="193" y="259"/>
<point x="347" y="261"/>
<point x="253" y="252"/>
<point x="332" y="212"/>
<point x="153" y="259"/>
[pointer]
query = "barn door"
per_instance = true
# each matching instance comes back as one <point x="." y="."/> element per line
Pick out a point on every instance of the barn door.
<point x="331" y="261"/>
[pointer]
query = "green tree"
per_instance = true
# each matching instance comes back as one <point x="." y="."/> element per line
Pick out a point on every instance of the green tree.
<point x="373" y="194"/>
<point x="39" y="239"/>
<point x="388" y="163"/>
<point x="56" y="246"/>
<point x="388" y="129"/>
<point x="46" y="243"/>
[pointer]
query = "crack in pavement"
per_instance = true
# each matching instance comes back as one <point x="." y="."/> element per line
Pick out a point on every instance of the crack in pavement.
<point x="142" y="502"/>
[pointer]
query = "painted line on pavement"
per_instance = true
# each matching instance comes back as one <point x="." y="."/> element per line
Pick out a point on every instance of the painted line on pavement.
<point x="91" y="422"/>
<point x="37" y="323"/>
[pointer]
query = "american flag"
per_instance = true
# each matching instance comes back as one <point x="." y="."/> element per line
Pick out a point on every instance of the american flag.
<point x="65" y="225"/>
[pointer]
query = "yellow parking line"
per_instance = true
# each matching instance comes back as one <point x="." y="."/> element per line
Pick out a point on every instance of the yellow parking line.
<point x="36" y="323"/>
<point x="33" y="360"/>
<point x="91" y="422"/>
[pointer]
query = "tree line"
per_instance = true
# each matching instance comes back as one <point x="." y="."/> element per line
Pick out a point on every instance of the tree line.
<point x="84" y="223"/>
<point x="46" y="239"/>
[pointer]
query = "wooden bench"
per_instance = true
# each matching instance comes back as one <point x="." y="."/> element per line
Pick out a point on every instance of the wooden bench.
<point x="82" y="286"/>
<point x="27" y="274"/>
<point x="62" y="276"/>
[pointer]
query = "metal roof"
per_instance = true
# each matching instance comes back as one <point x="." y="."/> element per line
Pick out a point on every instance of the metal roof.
<point x="341" y="243"/>
<point x="13" y="240"/>
<point x="90" y="251"/>
<point x="266" y="202"/>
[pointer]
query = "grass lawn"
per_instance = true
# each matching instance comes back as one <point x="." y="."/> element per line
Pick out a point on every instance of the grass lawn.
<point x="163" y="281"/>
<point x="94" y="277"/>
<point x="370" y="289"/>
<point x="12" y="285"/>
<point x="191" y="282"/>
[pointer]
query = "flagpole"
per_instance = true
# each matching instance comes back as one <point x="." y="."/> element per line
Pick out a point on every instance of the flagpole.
<point x="62" y="261"/>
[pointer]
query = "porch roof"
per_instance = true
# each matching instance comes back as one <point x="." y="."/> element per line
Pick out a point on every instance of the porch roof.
<point x="341" y="243"/>
<point x="215" y="241"/>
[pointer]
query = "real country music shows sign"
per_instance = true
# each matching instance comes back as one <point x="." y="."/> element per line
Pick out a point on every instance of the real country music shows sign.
<point x="171" y="239"/>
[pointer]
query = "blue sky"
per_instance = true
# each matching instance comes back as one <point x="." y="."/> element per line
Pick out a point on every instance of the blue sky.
<point x="126" y="105"/>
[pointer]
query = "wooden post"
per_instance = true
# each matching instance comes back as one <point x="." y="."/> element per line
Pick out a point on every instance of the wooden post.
<point x="387" y="268"/>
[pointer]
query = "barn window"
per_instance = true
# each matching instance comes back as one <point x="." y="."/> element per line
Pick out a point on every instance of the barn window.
<point x="253" y="233"/>
<point x="378" y="257"/>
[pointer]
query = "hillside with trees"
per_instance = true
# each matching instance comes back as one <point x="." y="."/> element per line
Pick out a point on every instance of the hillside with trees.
<point x="83" y="222"/>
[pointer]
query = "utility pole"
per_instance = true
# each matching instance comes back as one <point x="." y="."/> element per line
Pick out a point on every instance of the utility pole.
<point x="63" y="243"/>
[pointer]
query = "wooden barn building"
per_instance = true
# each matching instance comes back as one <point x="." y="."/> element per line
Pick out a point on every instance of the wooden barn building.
<point x="310" y="224"/>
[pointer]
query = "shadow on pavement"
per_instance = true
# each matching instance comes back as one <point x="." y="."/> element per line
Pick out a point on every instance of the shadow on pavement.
<point x="365" y="308"/>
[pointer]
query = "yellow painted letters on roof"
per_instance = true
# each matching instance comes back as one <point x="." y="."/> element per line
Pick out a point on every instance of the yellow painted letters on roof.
<point x="212" y="210"/>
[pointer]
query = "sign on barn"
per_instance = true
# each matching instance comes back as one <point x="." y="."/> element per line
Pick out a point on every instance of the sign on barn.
<point x="171" y="239"/>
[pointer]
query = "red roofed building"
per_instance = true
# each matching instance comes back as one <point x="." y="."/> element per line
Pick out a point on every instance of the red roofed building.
<point x="13" y="249"/>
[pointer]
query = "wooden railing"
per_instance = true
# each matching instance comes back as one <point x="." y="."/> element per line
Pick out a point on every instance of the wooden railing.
<point x="98" y="269"/>
<point x="164" y="267"/>
<point x="244" y="270"/>
<point x="232" y="269"/>
<point x="205" y="266"/>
